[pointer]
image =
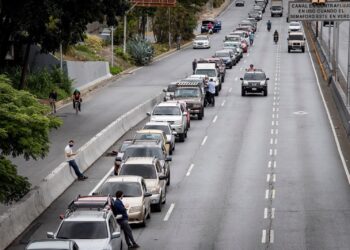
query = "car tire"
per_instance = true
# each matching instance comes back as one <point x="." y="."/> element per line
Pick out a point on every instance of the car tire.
<point x="158" y="207"/>
<point x="243" y="92"/>
<point x="200" y="115"/>
<point x="265" y="91"/>
<point x="182" y="137"/>
<point x="230" y="66"/>
<point x="170" y="151"/>
<point x="303" y="50"/>
<point x="168" y="180"/>
<point x="144" y="223"/>
<point x="288" y="50"/>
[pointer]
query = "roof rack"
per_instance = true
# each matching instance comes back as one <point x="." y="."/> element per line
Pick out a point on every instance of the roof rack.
<point x="93" y="202"/>
<point x="187" y="84"/>
<point x="144" y="140"/>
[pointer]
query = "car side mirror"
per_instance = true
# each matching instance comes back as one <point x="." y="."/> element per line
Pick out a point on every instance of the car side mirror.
<point x="267" y="79"/>
<point x="168" y="158"/>
<point x="50" y="235"/>
<point x="148" y="113"/>
<point x="115" y="235"/>
<point x="164" y="90"/>
<point x="241" y="78"/>
<point x="147" y="194"/>
<point x="162" y="177"/>
<point x="304" y="38"/>
<point x="287" y="39"/>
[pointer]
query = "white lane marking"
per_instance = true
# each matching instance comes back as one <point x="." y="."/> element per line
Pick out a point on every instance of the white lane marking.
<point x="269" y="164"/>
<point x="223" y="103"/>
<point x="274" y="98"/>
<point x="263" y="237"/>
<point x="204" y="140"/>
<point x="272" y="213"/>
<point x="270" y="151"/>
<point x="276" y="123"/>
<point x="248" y="54"/>
<point x="102" y="181"/>
<point x="274" y="178"/>
<point x="236" y="79"/>
<point x="273" y="109"/>
<point x="277" y="109"/>
<point x="268" y="177"/>
<point x="275" y="151"/>
<point x="277" y="116"/>
<point x="273" y="123"/>
<point x="189" y="170"/>
<point x="273" y="194"/>
<point x="271" y="141"/>
<point x="272" y="131"/>
<point x="274" y="164"/>
<point x="265" y="213"/>
<point x="267" y="193"/>
<point x="171" y="208"/>
<point x="276" y="140"/>
<point x="241" y="69"/>
<point x="230" y="90"/>
<point x="274" y="103"/>
<point x="215" y="118"/>
<point x="276" y="131"/>
<point x="273" y="116"/>
<point x="272" y="236"/>
<point x="330" y="121"/>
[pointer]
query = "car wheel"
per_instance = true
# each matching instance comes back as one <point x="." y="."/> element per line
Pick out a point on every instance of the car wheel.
<point x="303" y="50"/>
<point x="243" y="92"/>
<point x="200" y="115"/>
<point x="231" y="66"/>
<point x="143" y="223"/>
<point x="170" y="151"/>
<point x="158" y="207"/>
<point x="168" y="181"/>
<point x="182" y="137"/>
<point x="265" y="92"/>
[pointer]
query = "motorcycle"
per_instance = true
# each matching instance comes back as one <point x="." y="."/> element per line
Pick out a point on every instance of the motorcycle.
<point x="275" y="38"/>
<point x="268" y="27"/>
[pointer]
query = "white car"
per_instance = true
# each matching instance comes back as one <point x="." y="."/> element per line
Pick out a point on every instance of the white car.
<point x="201" y="42"/>
<point x="294" y="26"/>
<point x="172" y="113"/>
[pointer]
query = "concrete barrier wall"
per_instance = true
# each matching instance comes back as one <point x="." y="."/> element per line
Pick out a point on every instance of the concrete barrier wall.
<point x="87" y="72"/>
<point x="23" y="213"/>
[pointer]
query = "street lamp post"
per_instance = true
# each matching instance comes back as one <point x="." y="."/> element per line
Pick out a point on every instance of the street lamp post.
<point x="112" y="45"/>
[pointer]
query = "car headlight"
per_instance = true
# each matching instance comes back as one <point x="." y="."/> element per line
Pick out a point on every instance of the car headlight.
<point x="245" y="82"/>
<point x="155" y="190"/>
<point x="262" y="83"/>
<point x="135" y="209"/>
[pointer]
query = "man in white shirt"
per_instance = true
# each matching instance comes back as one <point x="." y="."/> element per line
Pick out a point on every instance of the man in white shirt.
<point x="70" y="158"/>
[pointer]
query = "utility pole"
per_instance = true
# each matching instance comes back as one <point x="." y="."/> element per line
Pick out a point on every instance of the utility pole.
<point x="61" y="57"/>
<point x="329" y="43"/>
<point x="169" y="32"/>
<point x="112" y="43"/>
<point x="334" y="53"/>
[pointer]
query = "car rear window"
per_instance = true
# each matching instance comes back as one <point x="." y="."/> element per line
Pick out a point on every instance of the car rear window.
<point x="222" y="54"/>
<point x="166" y="111"/>
<point x="83" y="230"/>
<point x="164" y="128"/>
<point x="143" y="152"/>
<point x="296" y="37"/>
<point x="147" y="136"/>
<point x="130" y="189"/>
<point x="143" y="170"/>
<point x="187" y="92"/>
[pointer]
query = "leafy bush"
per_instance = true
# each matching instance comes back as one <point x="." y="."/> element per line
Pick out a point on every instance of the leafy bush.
<point x="94" y="42"/>
<point x="140" y="50"/>
<point x="119" y="52"/>
<point x="115" y="70"/>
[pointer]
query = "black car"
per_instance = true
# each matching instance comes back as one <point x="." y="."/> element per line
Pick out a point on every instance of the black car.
<point x="254" y="82"/>
<point x="227" y="56"/>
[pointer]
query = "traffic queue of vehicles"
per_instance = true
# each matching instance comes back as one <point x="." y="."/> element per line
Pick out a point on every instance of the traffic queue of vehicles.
<point x="142" y="165"/>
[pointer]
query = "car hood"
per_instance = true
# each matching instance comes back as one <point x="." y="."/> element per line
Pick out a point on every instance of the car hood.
<point x="201" y="41"/>
<point x="151" y="183"/>
<point x="132" y="201"/>
<point x="165" y="118"/>
<point x="92" y="244"/>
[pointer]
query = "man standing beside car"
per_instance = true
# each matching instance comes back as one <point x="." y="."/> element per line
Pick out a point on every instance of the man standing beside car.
<point x="194" y="65"/>
<point x="119" y="208"/>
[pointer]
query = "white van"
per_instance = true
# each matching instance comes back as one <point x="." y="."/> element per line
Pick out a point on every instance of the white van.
<point x="209" y="69"/>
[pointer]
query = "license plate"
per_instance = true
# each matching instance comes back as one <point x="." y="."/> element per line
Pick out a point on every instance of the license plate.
<point x="253" y="89"/>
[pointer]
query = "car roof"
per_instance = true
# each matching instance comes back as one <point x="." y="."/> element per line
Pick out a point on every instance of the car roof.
<point x="139" y="160"/>
<point x="124" y="178"/>
<point x="158" y="123"/>
<point x="149" y="131"/>
<point x="223" y="50"/>
<point x="168" y="104"/>
<point x="205" y="66"/>
<point x="86" y="215"/>
<point x="296" y="33"/>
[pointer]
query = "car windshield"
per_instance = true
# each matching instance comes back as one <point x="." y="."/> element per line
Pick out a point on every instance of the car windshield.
<point x="187" y="92"/>
<point x="143" y="152"/>
<point x="147" y="136"/>
<point x="163" y="110"/>
<point x="83" y="230"/>
<point x="254" y="76"/>
<point x="164" y="128"/>
<point x="233" y="38"/>
<point x="145" y="171"/>
<point x="130" y="189"/>
<point x="124" y="146"/>
<point x="208" y="72"/>
<point x="296" y="37"/>
<point x="230" y="45"/>
<point x="222" y="54"/>
<point x="201" y="38"/>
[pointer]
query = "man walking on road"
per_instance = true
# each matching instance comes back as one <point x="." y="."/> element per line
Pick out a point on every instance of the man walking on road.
<point x="194" y="65"/>
<point x="119" y="208"/>
<point x="53" y="100"/>
<point x="70" y="157"/>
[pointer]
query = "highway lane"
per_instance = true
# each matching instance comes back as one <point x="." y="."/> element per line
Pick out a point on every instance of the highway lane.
<point x="256" y="173"/>
<point x="105" y="105"/>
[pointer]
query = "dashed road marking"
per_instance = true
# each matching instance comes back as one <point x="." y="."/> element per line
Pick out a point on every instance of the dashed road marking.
<point x="171" y="208"/>
<point x="230" y="90"/>
<point x="265" y="213"/>
<point x="263" y="237"/>
<point x="204" y="140"/>
<point x="190" y="170"/>
<point x="236" y="79"/>
<point x="274" y="164"/>
<point x="273" y="194"/>
<point x="215" y="118"/>
<point x="223" y="103"/>
<point x="274" y="178"/>
<point x="269" y="164"/>
<point x="267" y="193"/>
<point x="272" y="236"/>
<point x="268" y="177"/>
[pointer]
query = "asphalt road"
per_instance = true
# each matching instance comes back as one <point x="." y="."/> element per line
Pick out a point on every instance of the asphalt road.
<point x="256" y="173"/>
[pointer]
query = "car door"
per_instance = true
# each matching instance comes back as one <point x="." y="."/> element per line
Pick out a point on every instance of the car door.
<point x="113" y="227"/>
<point x="146" y="200"/>
<point x="161" y="171"/>
<point x="183" y="117"/>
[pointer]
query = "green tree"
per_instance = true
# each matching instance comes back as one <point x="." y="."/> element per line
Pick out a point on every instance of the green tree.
<point x="24" y="131"/>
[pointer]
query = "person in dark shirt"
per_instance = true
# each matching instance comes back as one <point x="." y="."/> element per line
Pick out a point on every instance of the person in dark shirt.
<point x="76" y="97"/>
<point x="53" y="100"/>
<point x="119" y="208"/>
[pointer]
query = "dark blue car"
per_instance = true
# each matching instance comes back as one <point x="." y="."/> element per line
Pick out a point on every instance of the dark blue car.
<point x="215" y="24"/>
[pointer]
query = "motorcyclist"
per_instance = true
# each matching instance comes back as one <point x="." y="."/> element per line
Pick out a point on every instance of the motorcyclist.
<point x="268" y="24"/>
<point x="275" y="36"/>
<point x="76" y="97"/>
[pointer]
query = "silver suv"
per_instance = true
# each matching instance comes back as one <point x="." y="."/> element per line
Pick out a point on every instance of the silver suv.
<point x="90" y="222"/>
<point x="296" y="41"/>
<point x="172" y="113"/>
